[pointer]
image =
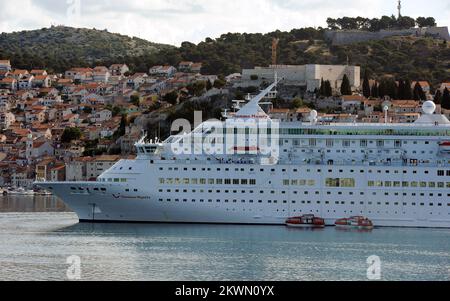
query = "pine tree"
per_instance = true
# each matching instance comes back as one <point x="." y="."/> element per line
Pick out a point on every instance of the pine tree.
<point x="401" y="89"/>
<point x="346" y="89"/>
<point x="374" y="91"/>
<point x="418" y="92"/>
<point x="366" y="86"/>
<point x="209" y="85"/>
<point x="445" y="102"/>
<point x="437" y="97"/>
<point x="328" y="89"/>
<point x="407" y="93"/>
<point x="388" y="87"/>
<point x="322" y="88"/>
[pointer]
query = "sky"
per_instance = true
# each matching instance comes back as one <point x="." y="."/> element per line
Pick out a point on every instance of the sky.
<point x="175" y="21"/>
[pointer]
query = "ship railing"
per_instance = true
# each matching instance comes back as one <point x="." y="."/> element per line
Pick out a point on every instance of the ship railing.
<point x="300" y="162"/>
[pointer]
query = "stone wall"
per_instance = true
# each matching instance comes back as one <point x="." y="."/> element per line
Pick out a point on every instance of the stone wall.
<point x="338" y="37"/>
<point x="308" y="76"/>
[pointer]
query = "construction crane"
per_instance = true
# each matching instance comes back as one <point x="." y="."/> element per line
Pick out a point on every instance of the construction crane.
<point x="275" y="42"/>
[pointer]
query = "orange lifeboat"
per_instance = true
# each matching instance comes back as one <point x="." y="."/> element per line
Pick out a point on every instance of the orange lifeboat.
<point x="305" y="221"/>
<point x="355" y="222"/>
<point x="445" y="147"/>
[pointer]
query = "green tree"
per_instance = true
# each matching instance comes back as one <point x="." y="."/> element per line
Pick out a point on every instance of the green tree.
<point x="116" y="111"/>
<point x="418" y="92"/>
<point x="71" y="134"/>
<point x="135" y="100"/>
<point x="122" y="127"/>
<point x="437" y="97"/>
<point x="346" y="88"/>
<point x="297" y="103"/>
<point x="405" y="22"/>
<point x="171" y="97"/>
<point x="366" y="85"/>
<point x="388" y="87"/>
<point x="197" y="88"/>
<point x="209" y="85"/>
<point x="401" y="89"/>
<point x="445" y="102"/>
<point x="425" y="22"/>
<point x="407" y="93"/>
<point x="219" y="83"/>
<point x="328" y="90"/>
<point x="322" y="87"/>
<point x="374" y="91"/>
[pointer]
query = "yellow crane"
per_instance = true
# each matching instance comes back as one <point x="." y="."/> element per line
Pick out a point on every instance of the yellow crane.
<point x="275" y="42"/>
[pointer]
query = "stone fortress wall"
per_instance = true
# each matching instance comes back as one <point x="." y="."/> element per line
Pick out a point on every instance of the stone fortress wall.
<point x="343" y="37"/>
<point x="307" y="76"/>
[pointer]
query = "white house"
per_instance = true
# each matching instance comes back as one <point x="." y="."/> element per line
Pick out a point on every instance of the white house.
<point x="101" y="75"/>
<point x="77" y="168"/>
<point x="136" y="80"/>
<point x="26" y="82"/>
<point x="50" y="101"/>
<point x="166" y="71"/>
<point x="118" y="69"/>
<point x="6" y="119"/>
<point x="37" y="149"/>
<point x="80" y="74"/>
<point x="93" y="99"/>
<point x="8" y="83"/>
<point x="99" y="165"/>
<point x="41" y="81"/>
<point x="5" y="65"/>
<point x="101" y="116"/>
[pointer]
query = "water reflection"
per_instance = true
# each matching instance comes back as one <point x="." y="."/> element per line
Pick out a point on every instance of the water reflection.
<point x="36" y="242"/>
<point x="31" y="203"/>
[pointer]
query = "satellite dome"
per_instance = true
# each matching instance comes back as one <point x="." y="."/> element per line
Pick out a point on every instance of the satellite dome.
<point x="429" y="107"/>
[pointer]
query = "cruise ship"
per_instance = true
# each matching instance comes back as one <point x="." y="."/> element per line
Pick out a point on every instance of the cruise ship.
<point x="250" y="169"/>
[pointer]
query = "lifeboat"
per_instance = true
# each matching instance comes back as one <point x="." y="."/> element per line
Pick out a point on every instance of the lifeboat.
<point x="445" y="147"/>
<point x="355" y="222"/>
<point x="246" y="149"/>
<point x="305" y="221"/>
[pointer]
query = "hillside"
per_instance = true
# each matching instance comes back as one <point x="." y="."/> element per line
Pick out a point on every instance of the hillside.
<point x="403" y="57"/>
<point x="58" y="48"/>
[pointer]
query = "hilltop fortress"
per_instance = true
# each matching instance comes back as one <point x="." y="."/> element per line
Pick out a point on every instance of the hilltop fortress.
<point x="343" y="37"/>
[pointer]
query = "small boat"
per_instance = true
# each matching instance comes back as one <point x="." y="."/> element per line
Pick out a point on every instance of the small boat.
<point x="355" y="222"/>
<point x="445" y="147"/>
<point x="21" y="191"/>
<point x="305" y="221"/>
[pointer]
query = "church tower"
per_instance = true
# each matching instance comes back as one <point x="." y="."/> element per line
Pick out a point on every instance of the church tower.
<point x="29" y="147"/>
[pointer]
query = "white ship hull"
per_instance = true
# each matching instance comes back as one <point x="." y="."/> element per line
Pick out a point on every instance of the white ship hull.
<point x="152" y="203"/>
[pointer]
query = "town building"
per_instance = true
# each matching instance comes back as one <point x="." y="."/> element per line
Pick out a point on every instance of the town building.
<point x="307" y="76"/>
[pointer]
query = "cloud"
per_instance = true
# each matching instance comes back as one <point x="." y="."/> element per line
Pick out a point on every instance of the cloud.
<point x="175" y="21"/>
